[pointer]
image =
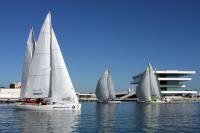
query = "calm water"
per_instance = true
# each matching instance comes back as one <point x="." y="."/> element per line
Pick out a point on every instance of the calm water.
<point x="105" y="118"/>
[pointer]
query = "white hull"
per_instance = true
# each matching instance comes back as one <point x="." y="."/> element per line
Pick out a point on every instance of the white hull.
<point x="49" y="107"/>
<point x="114" y="102"/>
<point x="109" y="101"/>
<point x="157" y="101"/>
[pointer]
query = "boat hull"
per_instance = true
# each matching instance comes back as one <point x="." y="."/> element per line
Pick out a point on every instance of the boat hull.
<point x="109" y="101"/>
<point x="156" y="101"/>
<point x="48" y="107"/>
<point x="114" y="102"/>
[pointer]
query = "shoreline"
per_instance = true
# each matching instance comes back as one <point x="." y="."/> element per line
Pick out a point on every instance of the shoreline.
<point x="173" y="99"/>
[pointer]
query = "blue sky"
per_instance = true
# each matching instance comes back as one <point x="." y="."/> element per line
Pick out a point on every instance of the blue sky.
<point x="123" y="35"/>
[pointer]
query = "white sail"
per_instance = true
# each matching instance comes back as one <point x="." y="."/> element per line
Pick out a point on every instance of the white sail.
<point x="105" y="88"/>
<point x="148" y="88"/>
<point x="48" y="77"/>
<point x="101" y="92"/>
<point x="111" y="86"/>
<point x="27" y="61"/>
<point x="143" y="91"/>
<point x="61" y="85"/>
<point x="38" y="81"/>
<point x="155" y="89"/>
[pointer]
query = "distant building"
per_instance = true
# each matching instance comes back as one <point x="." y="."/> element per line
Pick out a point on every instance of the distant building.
<point x="122" y="94"/>
<point x="172" y="82"/>
<point x="87" y="96"/>
<point x="15" y="85"/>
<point x="8" y="93"/>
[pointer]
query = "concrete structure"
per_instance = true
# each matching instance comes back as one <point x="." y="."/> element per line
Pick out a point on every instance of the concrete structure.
<point x="87" y="97"/>
<point x="122" y="95"/>
<point x="171" y="81"/>
<point x="9" y="93"/>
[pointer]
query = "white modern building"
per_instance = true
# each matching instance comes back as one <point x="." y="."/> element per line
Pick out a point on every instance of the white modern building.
<point x="9" y="93"/>
<point x="172" y="82"/>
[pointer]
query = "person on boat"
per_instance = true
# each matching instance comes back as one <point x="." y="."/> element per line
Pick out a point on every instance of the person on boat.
<point x="39" y="101"/>
<point x="44" y="102"/>
<point x="29" y="101"/>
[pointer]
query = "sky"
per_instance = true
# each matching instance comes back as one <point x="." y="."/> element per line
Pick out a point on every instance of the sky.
<point x="123" y="35"/>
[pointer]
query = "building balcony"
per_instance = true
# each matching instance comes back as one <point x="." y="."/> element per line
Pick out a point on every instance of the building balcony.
<point x="174" y="79"/>
<point x="172" y="86"/>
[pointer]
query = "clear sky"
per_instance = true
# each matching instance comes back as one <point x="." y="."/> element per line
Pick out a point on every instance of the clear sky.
<point x="123" y="35"/>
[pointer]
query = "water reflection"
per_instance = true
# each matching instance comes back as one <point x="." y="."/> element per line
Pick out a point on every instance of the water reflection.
<point x="148" y="116"/>
<point x="99" y="118"/>
<point x="50" y="122"/>
<point x="105" y="118"/>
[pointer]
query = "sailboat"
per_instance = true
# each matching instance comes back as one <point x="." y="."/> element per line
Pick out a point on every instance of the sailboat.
<point x="47" y="79"/>
<point x="148" y="89"/>
<point x="105" y="91"/>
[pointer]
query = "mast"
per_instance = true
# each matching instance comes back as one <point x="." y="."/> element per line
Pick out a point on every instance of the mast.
<point x="107" y="82"/>
<point x="50" y="83"/>
<point x="33" y="40"/>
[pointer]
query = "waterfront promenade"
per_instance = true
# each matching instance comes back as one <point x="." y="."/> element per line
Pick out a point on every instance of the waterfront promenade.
<point x="13" y="95"/>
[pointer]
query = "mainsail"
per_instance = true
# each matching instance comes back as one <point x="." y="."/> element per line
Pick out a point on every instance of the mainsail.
<point x="27" y="60"/>
<point x="148" y="88"/>
<point x="101" y="89"/>
<point x="105" y="88"/>
<point x="143" y="90"/>
<point x="48" y="75"/>
<point x="38" y="82"/>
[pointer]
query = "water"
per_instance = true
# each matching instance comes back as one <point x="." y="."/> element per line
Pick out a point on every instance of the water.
<point x="104" y="118"/>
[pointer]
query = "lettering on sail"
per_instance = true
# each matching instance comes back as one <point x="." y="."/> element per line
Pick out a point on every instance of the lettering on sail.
<point x="37" y="92"/>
